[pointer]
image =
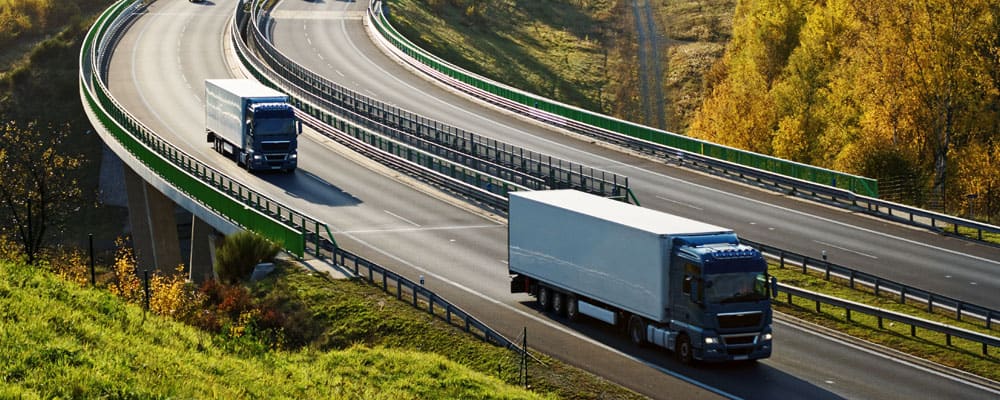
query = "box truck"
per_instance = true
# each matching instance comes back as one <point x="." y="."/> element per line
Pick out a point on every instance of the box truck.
<point x="667" y="281"/>
<point x="251" y="123"/>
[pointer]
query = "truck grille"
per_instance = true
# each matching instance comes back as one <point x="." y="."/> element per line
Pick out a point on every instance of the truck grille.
<point x="739" y="339"/>
<point x="741" y="320"/>
<point x="274" y="147"/>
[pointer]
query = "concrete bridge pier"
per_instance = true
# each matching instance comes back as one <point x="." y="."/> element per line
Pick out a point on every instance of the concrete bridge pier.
<point x="203" y="239"/>
<point x="155" y="233"/>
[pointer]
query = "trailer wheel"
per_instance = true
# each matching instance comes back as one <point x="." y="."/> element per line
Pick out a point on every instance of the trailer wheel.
<point x="637" y="330"/>
<point x="544" y="298"/>
<point x="558" y="303"/>
<point x="572" y="308"/>
<point x="683" y="349"/>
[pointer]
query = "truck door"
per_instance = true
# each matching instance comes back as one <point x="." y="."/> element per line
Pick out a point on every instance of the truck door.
<point x="690" y="283"/>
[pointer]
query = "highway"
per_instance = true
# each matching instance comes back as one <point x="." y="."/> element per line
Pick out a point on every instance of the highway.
<point x="329" y="39"/>
<point x="158" y="70"/>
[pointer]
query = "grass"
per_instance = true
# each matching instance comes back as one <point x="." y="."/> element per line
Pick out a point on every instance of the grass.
<point x="61" y="340"/>
<point x="962" y="354"/>
<point x="989" y="237"/>
<point x="582" y="53"/>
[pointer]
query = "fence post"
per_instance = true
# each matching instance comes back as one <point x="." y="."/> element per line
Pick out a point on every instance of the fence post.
<point x="145" y="285"/>
<point x="93" y="277"/>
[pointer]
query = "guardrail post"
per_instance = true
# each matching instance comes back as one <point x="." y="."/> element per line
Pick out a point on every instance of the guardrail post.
<point x="848" y="310"/>
<point x="447" y="313"/>
<point x="399" y="289"/>
<point x="385" y="282"/>
<point x="817" y="306"/>
<point x="430" y="301"/>
<point x="851" y="279"/>
<point x="877" y="281"/>
<point x="947" y="339"/>
<point x="930" y="302"/>
<point x="879" y="318"/>
<point x="902" y="295"/>
<point x="989" y="319"/>
<point x="414" y="295"/>
<point x="913" y="330"/>
<point x="827" y="271"/>
<point x="958" y="311"/>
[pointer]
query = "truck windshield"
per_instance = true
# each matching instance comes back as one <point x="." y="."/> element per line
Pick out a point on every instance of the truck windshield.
<point x="274" y="126"/>
<point x="732" y="287"/>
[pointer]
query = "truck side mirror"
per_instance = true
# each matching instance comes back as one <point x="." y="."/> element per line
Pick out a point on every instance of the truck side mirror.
<point x="774" y="287"/>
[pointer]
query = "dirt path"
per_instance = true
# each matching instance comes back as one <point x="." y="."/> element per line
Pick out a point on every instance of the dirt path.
<point x="651" y="64"/>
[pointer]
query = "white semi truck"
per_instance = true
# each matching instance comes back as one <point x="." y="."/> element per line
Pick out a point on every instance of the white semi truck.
<point x="669" y="281"/>
<point x="251" y="123"/>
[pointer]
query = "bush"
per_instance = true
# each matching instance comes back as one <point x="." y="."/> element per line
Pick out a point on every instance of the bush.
<point x="240" y="252"/>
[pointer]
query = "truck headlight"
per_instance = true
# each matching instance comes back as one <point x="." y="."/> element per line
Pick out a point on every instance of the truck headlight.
<point x="766" y="336"/>
<point x="711" y="340"/>
<point x="256" y="157"/>
<point x="294" y="156"/>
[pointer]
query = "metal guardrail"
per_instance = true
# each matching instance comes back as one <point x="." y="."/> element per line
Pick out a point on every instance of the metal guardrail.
<point x="460" y="179"/>
<point x="417" y="295"/>
<point x="843" y="189"/>
<point x="985" y="341"/>
<point x="880" y="285"/>
<point x="533" y="170"/>
<point x="209" y="187"/>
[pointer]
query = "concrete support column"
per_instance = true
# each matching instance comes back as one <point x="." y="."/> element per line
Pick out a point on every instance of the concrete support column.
<point x="154" y="227"/>
<point x="202" y="251"/>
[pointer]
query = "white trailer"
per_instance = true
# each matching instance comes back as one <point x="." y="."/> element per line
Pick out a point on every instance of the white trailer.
<point x="581" y="254"/>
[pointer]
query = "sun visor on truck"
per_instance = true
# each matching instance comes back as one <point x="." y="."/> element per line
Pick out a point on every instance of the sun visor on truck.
<point x="701" y="240"/>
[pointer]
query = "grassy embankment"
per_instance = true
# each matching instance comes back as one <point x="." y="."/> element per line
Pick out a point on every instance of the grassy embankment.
<point x="579" y="52"/>
<point x="61" y="340"/>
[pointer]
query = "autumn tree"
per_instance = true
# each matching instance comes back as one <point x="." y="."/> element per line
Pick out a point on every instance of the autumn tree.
<point x="38" y="193"/>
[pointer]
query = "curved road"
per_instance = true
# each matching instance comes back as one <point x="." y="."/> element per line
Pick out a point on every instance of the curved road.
<point x="157" y="72"/>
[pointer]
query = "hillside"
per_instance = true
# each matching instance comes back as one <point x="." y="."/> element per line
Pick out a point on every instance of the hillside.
<point x="60" y="340"/>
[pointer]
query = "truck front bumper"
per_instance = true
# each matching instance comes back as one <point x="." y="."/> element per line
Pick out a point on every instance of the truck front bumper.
<point x="736" y="350"/>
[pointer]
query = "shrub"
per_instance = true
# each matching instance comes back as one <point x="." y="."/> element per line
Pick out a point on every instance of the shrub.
<point x="240" y="252"/>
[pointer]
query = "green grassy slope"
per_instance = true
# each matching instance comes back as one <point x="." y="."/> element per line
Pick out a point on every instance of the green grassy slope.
<point x="60" y="340"/>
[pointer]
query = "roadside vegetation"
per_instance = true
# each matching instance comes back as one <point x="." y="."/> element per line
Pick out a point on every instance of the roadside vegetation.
<point x="61" y="340"/>
<point x="962" y="354"/>
<point x="321" y="337"/>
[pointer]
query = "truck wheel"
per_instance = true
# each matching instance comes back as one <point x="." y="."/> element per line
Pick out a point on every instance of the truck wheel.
<point x="572" y="308"/>
<point x="637" y="330"/>
<point x="683" y="349"/>
<point x="559" y="303"/>
<point x="544" y="298"/>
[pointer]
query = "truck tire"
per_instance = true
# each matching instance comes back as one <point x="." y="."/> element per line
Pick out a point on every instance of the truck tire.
<point x="683" y="350"/>
<point x="545" y="298"/>
<point x="637" y="330"/>
<point x="558" y="303"/>
<point x="572" y="308"/>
